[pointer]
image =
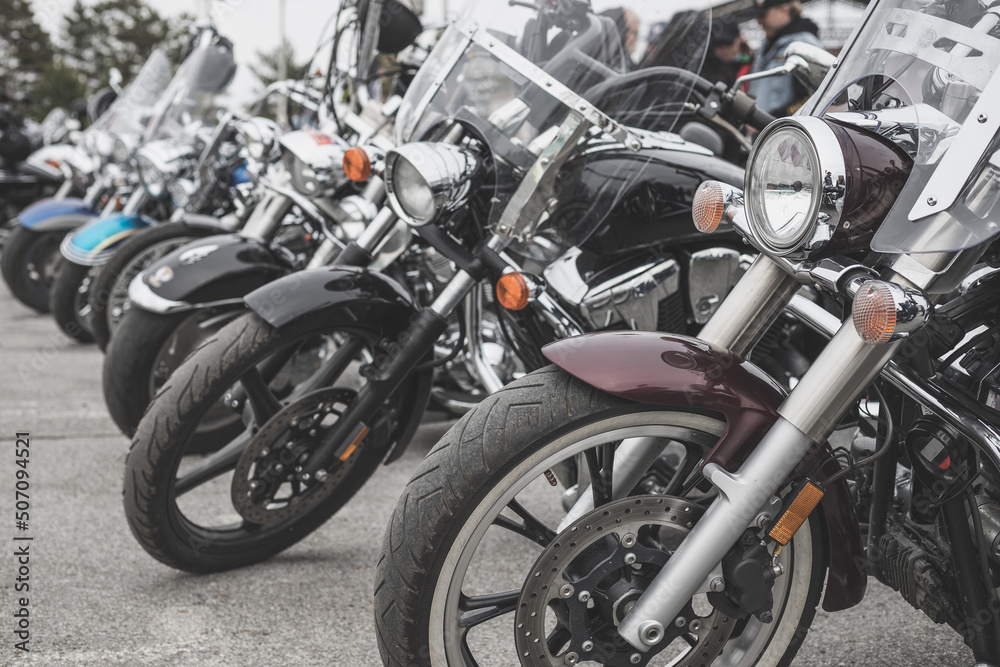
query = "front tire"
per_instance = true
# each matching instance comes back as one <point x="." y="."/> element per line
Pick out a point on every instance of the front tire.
<point x="68" y="300"/>
<point x="29" y="263"/>
<point x="183" y="509"/>
<point x="140" y="361"/>
<point x="451" y="576"/>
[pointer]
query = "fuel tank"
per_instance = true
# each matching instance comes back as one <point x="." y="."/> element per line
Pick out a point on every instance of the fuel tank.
<point x="615" y="200"/>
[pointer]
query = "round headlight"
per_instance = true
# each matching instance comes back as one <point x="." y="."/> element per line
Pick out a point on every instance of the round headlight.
<point x="122" y="151"/>
<point x="821" y="185"/>
<point x="784" y="188"/>
<point x="414" y="194"/>
<point x="426" y="180"/>
<point x="152" y="178"/>
<point x="181" y="191"/>
<point x="303" y="175"/>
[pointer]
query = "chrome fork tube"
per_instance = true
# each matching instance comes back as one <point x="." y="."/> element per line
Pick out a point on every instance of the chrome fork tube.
<point x="846" y="366"/>
<point x="376" y="230"/>
<point x="266" y="216"/>
<point x="480" y="367"/>
<point x="737" y="325"/>
<point x="750" y="308"/>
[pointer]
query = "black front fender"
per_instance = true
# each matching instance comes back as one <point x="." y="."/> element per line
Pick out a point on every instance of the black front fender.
<point x="210" y="271"/>
<point x="350" y="295"/>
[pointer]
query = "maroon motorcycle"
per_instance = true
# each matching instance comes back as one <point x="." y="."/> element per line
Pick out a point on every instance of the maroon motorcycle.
<point x="652" y="498"/>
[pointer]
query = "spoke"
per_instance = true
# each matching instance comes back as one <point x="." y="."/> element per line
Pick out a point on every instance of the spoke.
<point x="600" y="461"/>
<point x="477" y="609"/>
<point x="683" y="472"/>
<point x="530" y="527"/>
<point x="262" y="401"/>
<point x="333" y="367"/>
<point x="558" y="638"/>
<point x="219" y="462"/>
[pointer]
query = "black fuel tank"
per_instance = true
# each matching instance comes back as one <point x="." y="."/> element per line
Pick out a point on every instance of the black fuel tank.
<point x="613" y="200"/>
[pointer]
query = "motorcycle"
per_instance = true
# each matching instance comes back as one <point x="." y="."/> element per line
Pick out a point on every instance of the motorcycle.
<point x="673" y="503"/>
<point x="305" y="179"/>
<point x="181" y="125"/>
<point x="31" y="253"/>
<point x="520" y="180"/>
<point x="210" y="194"/>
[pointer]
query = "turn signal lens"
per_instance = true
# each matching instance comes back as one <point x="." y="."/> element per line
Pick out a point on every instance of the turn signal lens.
<point x="798" y="511"/>
<point x="874" y="312"/>
<point x="513" y="291"/>
<point x="357" y="165"/>
<point x="709" y="202"/>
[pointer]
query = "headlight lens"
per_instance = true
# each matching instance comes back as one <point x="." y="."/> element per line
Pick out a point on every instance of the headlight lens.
<point x="303" y="176"/>
<point x="426" y="180"/>
<point x="181" y="190"/>
<point x="413" y="192"/>
<point x="820" y="186"/>
<point x="122" y="151"/>
<point x="159" y="163"/>
<point x="785" y="188"/>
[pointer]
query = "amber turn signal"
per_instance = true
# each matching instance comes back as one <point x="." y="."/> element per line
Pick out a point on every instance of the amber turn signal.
<point x="357" y="165"/>
<point x="874" y="312"/>
<point x="707" y="207"/>
<point x="513" y="291"/>
<point x="798" y="511"/>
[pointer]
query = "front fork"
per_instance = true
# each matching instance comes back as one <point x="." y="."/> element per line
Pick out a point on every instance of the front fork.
<point x="846" y="366"/>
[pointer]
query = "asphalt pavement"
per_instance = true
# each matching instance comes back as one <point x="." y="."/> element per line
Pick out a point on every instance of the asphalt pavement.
<point x="96" y="598"/>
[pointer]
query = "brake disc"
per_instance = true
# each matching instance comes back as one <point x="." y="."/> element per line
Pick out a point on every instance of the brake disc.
<point x="269" y="485"/>
<point x="589" y="578"/>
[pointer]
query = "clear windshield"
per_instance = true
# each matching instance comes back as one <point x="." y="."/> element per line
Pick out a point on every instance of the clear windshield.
<point x="921" y="74"/>
<point x="191" y="98"/>
<point x="131" y="111"/>
<point x="484" y="64"/>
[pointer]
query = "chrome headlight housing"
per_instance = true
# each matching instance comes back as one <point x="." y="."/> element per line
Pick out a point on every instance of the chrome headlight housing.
<point x="785" y="180"/>
<point x="820" y="185"/>
<point x="124" y="144"/>
<point x="159" y="163"/>
<point x="315" y="161"/>
<point x="425" y="180"/>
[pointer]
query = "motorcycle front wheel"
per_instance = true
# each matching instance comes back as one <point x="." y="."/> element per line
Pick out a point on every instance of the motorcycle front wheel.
<point x="68" y="300"/>
<point x="290" y="387"/>
<point x="141" y="360"/>
<point x="473" y="572"/>
<point x="29" y="263"/>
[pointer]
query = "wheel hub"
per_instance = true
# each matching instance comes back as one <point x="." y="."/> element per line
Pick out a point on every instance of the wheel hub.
<point x="269" y="485"/>
<point x="585" y="583"/>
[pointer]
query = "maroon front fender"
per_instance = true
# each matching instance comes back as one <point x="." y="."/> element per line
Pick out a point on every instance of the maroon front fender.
<point x="672" y="371"/>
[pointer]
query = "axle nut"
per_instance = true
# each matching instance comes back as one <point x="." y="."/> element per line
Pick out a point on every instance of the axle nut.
<point x="651" y="633"/>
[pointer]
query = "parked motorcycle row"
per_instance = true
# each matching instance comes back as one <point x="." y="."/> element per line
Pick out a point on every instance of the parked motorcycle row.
<point x="682" y="438"/>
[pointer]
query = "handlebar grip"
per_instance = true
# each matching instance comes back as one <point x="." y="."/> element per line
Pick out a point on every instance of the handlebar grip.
<point x="745" y="109"/>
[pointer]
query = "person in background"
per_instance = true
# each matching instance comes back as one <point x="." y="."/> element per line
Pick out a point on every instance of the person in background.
<point x="783" y="23"/>
<point x="729" y="57"/>
<point x="627" y="22"/>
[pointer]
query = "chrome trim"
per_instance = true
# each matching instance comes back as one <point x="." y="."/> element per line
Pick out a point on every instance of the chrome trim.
<point x="447" y="171"/>
<point x="475" y="358"/>
<point x="824" y="214"/>
<point x="634" y="297"/>
<point x="712" y="274"/>
<point x="924" y="392"/>
<point x="748" y="310"/>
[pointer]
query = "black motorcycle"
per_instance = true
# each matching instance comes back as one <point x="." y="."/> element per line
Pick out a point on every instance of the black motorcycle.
<point x="521" y="181"/>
